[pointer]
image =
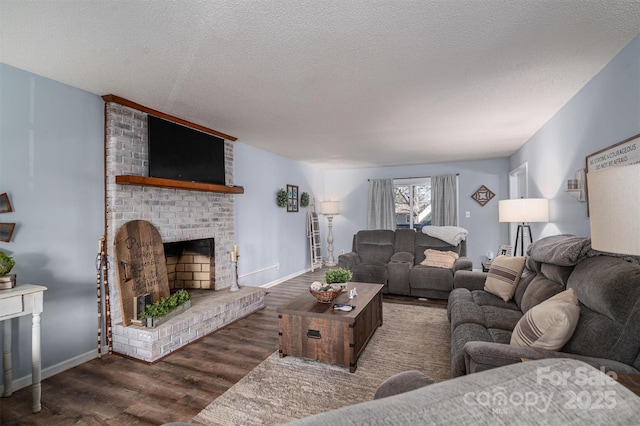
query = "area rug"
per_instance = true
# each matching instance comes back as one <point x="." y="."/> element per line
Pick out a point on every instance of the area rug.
<point x="280" y="390"/>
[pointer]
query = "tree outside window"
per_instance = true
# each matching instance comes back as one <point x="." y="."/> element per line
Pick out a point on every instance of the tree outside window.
<point x="413" y="203"/>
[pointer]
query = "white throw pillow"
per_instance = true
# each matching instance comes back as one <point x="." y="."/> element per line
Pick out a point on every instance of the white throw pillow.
<point x="550" y="324"/>
<point x="439" y="259"/>
<point x="503" y="277"/>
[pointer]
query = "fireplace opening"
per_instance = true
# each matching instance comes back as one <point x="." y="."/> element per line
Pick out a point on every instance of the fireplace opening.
<point x="191" y="264"/>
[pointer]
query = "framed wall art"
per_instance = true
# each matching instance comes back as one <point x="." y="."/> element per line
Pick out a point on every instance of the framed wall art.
<point x="5" y="204"/>
<point x="505" y="251"/>
<point x="292" y="198"/>
<point x="6" y="231"/>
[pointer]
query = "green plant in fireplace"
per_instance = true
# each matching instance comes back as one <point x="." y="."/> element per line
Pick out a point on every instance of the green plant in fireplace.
<point x="166" y="304"/>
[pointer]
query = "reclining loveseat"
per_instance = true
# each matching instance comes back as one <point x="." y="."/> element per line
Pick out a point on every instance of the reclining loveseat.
<point x="394" y="259"/>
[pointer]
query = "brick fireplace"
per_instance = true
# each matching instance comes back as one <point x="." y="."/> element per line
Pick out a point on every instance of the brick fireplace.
<point x="180" y="215"/>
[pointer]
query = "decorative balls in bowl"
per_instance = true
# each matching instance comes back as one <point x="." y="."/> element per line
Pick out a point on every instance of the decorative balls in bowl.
<point x="325" y="293"/>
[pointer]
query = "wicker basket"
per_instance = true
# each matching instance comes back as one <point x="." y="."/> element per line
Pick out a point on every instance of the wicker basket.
<point x="326" y="296"/>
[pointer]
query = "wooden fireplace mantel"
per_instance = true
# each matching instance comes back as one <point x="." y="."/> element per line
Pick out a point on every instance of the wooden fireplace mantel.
<point x="160" y="114"/>
<point x="177" y="184"/>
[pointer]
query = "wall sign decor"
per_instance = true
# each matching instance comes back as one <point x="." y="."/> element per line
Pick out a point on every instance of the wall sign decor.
<point x="5" y="204"/>
<point x="619" y="154"/>
<point x="622" y="153"/>
<point x="483" y="195"/>
<point x="292" y="198"/>
<point x="140" y="265"/>
<point x="6" y="231"/>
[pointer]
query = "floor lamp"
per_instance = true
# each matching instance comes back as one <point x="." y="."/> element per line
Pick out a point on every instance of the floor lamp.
<point x="523" y="211"/>
<point x="614" y="208"/>
<point x="330" y="209"/>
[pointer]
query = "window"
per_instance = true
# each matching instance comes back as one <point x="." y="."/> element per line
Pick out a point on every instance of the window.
<point x="413" y="202"/>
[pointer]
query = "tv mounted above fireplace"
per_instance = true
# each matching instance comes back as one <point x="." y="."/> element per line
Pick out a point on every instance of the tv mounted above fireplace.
<point x="181" y="153"/>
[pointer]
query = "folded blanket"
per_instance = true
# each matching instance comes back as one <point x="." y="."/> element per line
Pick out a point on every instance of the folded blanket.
<point x="627" y="257"/>
<point x="449" y="234"/>
<point x="561" y="250"/>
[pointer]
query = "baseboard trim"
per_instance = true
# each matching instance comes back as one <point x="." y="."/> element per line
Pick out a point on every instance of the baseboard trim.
<point x="25" y="381"/>
<point x="283" y="279"/>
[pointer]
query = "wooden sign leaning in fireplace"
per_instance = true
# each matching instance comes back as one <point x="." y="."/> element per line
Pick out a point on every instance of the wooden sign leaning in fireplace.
<point x="140" y="265"/>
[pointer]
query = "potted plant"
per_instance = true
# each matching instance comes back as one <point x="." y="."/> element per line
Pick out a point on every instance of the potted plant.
<point x="6" y="264"/>
<point x="337" y="276"/>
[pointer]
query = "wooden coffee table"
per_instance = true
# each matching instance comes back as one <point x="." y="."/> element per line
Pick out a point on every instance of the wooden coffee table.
<point x="313" y="330"/>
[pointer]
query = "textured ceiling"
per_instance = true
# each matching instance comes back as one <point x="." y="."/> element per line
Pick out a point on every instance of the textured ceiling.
<point x="333" y="83"/>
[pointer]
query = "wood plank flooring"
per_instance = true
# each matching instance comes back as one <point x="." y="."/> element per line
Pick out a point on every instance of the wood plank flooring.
<point x="119" y="391"/>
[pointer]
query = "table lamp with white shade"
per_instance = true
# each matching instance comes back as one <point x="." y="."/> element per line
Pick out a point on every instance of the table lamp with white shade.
<point x="330" y="209"/>
<point x="523" y="211"/>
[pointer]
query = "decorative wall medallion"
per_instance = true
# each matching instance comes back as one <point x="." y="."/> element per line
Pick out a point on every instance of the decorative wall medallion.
<point x="483" y="195"/>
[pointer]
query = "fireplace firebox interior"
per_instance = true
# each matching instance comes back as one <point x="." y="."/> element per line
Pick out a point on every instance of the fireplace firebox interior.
<point x="191" y="264"/>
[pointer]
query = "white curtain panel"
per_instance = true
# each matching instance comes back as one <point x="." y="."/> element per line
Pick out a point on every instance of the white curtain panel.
<point x="381" y="211"/>
<point x="444" y="200"/>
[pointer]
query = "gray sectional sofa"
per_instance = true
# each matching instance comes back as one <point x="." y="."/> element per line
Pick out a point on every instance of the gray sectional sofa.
<point x="393" y="258"/>
<point x="517" y="394"/>
<point x="521" y="394"/>
<point x="608" y="290"/>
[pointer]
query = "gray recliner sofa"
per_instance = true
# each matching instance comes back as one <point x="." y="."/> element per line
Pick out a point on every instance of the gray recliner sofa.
<point x="393" y="258"/>
<point x="516" y="394"/>
<point x="608" y="290"/>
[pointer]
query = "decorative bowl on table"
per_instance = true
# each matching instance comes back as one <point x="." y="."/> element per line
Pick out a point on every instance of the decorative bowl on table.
<point x="325" y="293"/>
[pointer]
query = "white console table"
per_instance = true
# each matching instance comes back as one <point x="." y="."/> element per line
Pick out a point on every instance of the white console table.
<point x="23" y="299"/>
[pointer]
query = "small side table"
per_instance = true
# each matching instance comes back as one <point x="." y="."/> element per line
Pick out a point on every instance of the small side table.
<point x="23" y="299"/>
<point x="486" y="266"/>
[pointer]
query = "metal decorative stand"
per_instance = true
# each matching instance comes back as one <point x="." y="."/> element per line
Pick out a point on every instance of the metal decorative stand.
<point x="235" y="256"/>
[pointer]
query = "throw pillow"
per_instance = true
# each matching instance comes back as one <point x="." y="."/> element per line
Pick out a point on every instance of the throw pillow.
<point x="439" y="259"/>
<point x="504" y="275"/>
<point x="550" y="324"/>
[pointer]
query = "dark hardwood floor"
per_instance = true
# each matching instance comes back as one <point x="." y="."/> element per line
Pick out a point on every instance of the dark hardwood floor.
<point x="115" y="390"/>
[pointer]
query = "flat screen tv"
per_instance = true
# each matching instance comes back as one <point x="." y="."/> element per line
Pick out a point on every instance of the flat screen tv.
<point x="180" y="153"/>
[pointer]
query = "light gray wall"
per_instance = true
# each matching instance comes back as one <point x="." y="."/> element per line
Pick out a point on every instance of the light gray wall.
<point x="51" y="165"/>
<point x="269" y="235"/>
<point x="602" y="113"/>
<point x="350" y="187"/>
